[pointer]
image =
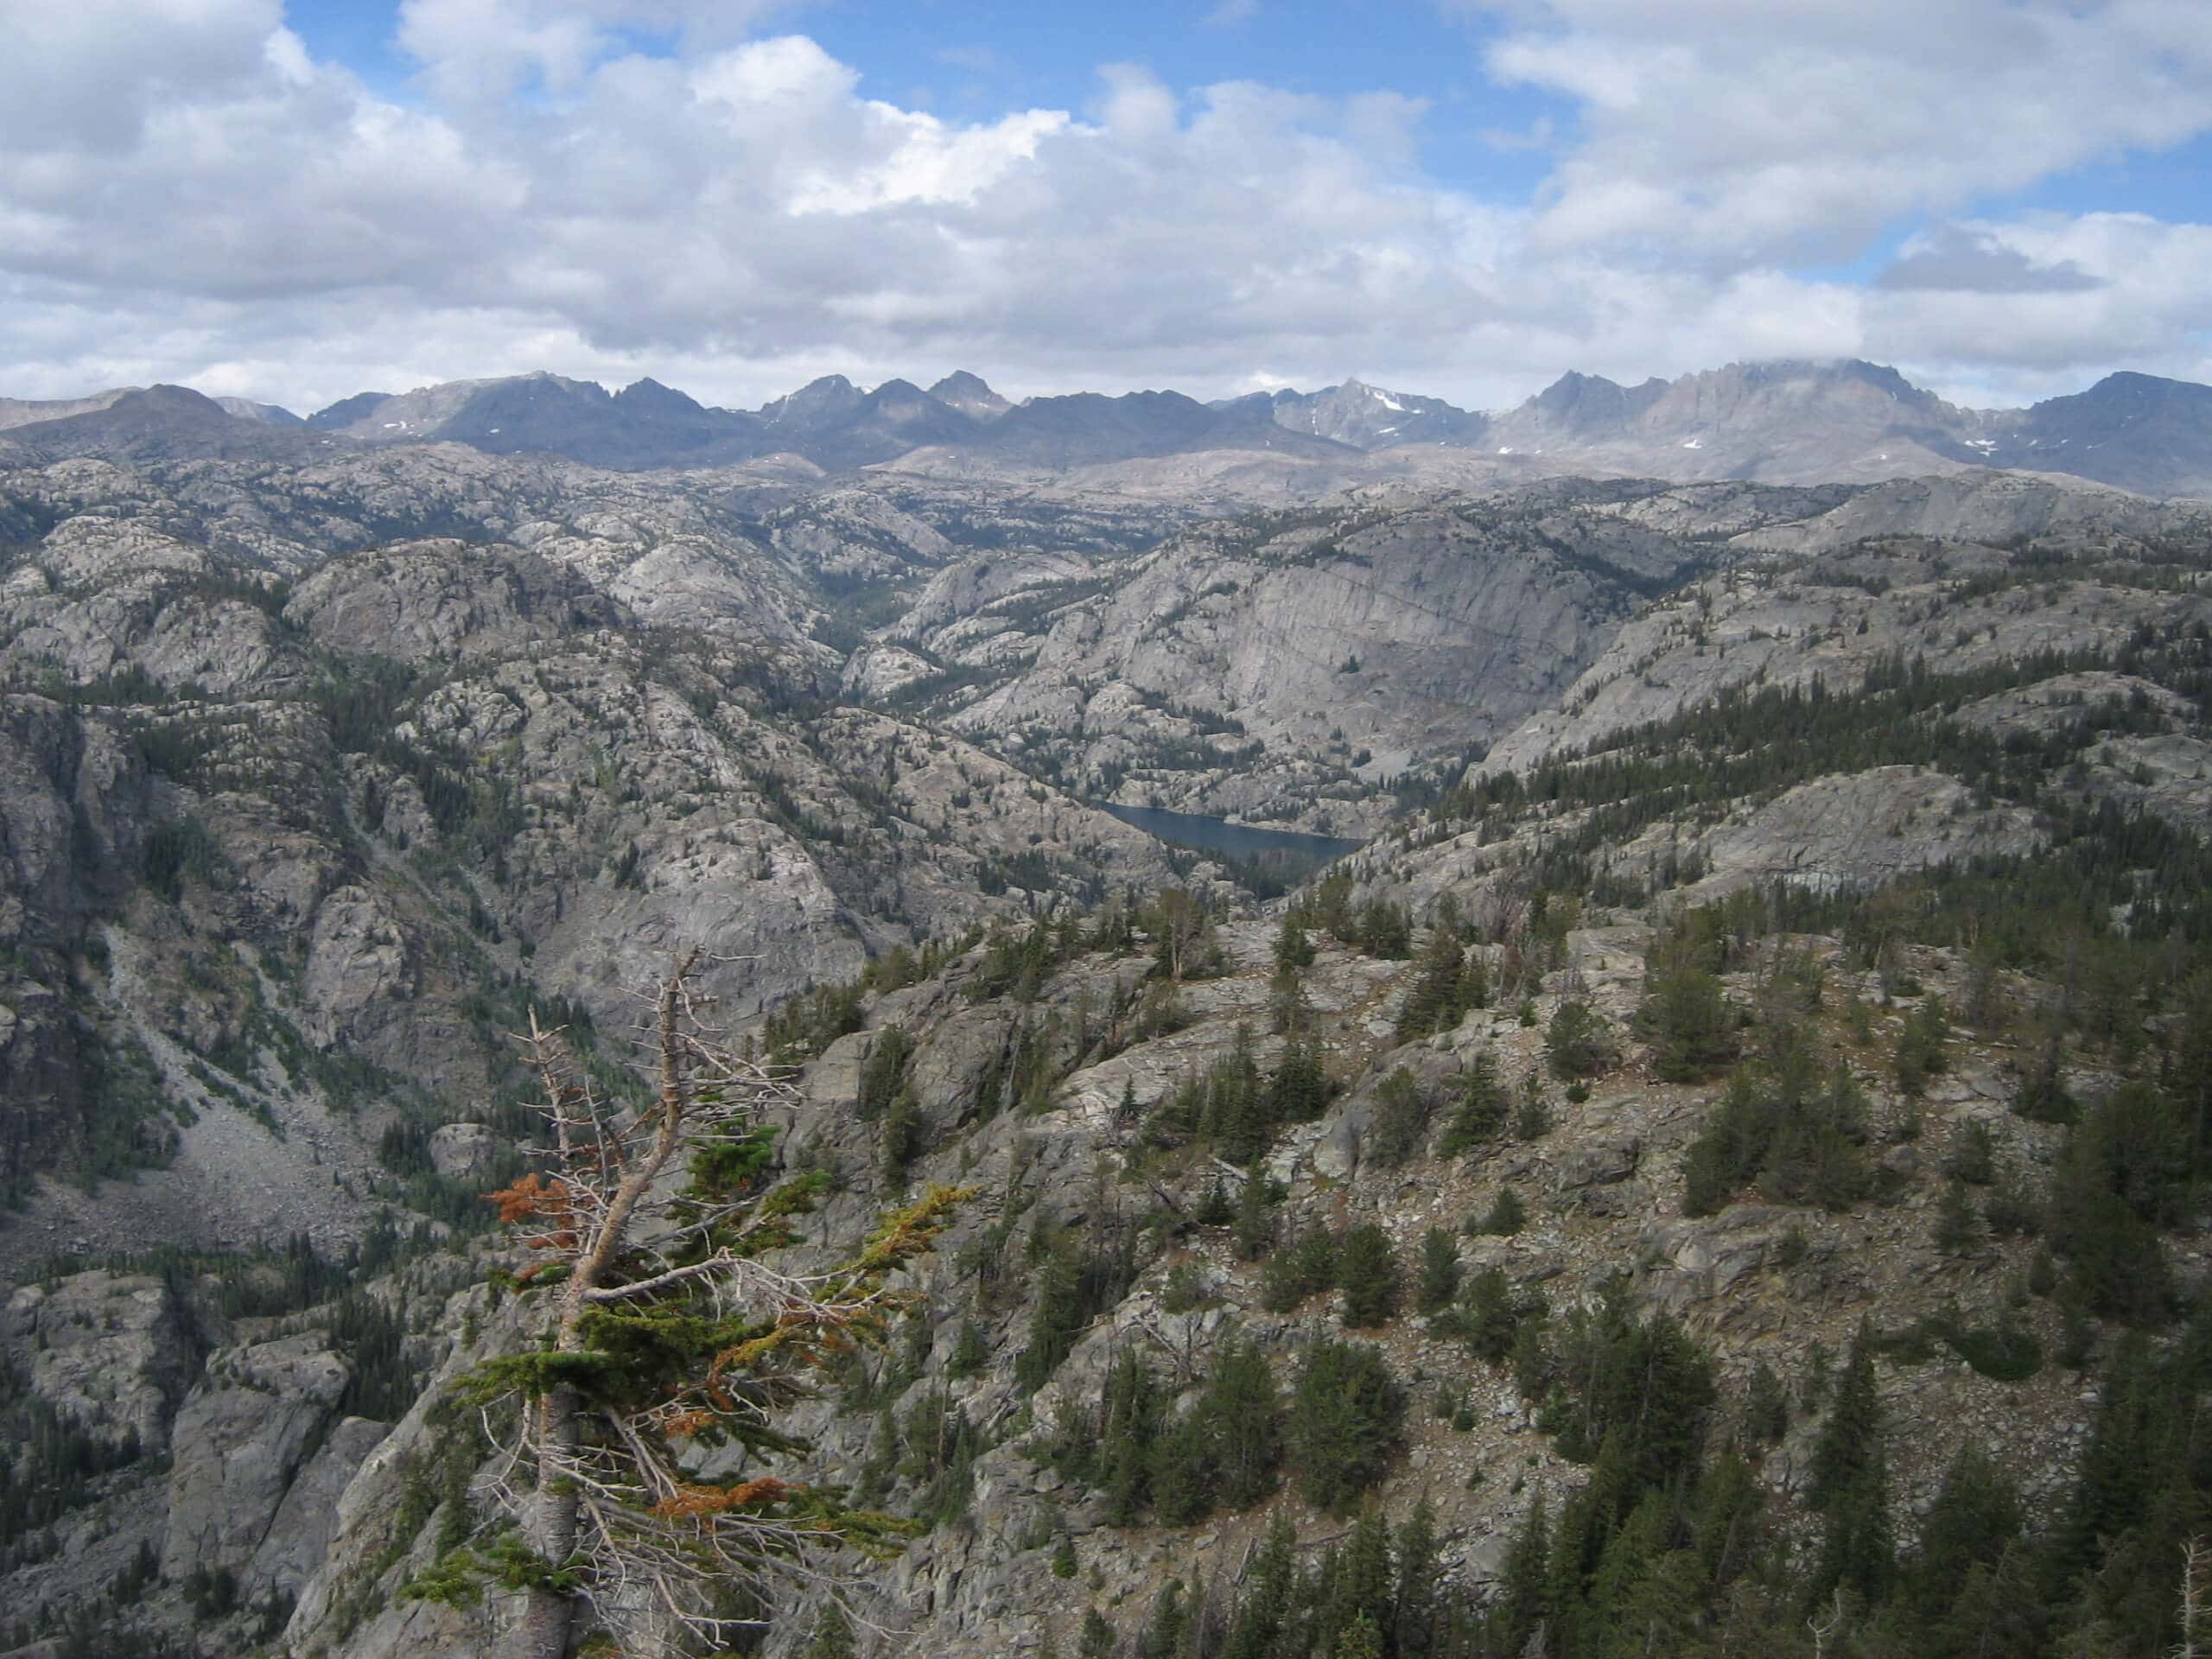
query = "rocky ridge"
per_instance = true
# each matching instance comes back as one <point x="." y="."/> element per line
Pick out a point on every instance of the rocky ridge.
<point x="451" y="764"/>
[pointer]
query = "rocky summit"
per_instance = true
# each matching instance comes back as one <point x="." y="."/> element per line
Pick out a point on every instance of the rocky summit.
<point x="1773" y="423"/>
<point x="1714" y="1161"/>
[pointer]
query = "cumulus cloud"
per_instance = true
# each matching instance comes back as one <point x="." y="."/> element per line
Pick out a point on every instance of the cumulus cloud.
<point x="1747" y="130"/>
<point x="1953" y="259"/>
<point x="613" y="187"/>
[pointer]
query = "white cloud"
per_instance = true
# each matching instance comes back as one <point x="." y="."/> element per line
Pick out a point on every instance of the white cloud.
<point x="195" y="198"/>
<point x="1776" y="130"/>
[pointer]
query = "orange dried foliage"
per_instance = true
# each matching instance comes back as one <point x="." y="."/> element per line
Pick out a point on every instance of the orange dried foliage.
<point x="528" y="1196"/>
<point x="692" y="1501"/>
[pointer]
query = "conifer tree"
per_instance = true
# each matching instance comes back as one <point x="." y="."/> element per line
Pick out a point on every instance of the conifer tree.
<point x="1401" y="1120"/>
<point x="1480" y="1115"/>
<point x="1975" y="1519"/>
<point x="1413" y="1613"/>
<point x="664" y="1334"/>
<point x="1576" y="1043"/>
<point x="1347" y="1420"/>
<point x="1523" y="1606"/>
<point x="1274" y="1575"/>
<point x="1241" y="1416"/>
<point x="1474" y="982"/>
<point x="1367" y="1272"/>
<point x="1440" y="1270"/>
<point x="1363" y="1588"/>
<point x="1433" y="1003"/>
<point x="1164" y="1632"/>
<point x="1253" y="1229"/>
<point x="1299" y="1088"/>
<point x="1851" y="1484"/>
<point x="1684" y="1012"/>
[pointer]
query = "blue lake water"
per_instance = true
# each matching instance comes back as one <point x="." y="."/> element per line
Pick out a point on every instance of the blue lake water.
<point x="1237" y="840"/>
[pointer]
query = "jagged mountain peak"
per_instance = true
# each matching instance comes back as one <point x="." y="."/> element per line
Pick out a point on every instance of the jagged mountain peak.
<point x="971" y="395"/>
<point x="1784" y="420"/>
<point x="245" y="408"/>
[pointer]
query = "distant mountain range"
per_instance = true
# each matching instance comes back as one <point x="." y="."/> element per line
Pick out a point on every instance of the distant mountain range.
<point x="1774" y="423"/>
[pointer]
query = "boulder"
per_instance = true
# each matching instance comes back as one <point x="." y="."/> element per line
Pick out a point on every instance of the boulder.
<point x="1599" y="1163"/>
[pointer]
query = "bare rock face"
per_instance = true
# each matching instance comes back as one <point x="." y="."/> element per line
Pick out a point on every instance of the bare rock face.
<point x="356" y="960"/>
<point x="1270" y="668"/>
<point x="237" y="1447"/>
<point x="74" y="806"/>
<point x="93" y="600"/>
<point x="108" y="1352"/>
<point x="348" y="1602"/>
<point x="1855" y="832"/>
<point x="444" y="600"/>
<point x="300" y="1533"/>
<point x="1705" y="1258"/>
<point x="462" y="1151"/>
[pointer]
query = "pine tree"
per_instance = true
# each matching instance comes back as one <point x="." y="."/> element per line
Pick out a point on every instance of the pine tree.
<point x="1976" y="1518"/>
<point x="630" y="1344"/>
<point x="1241" y="1415"/>
<point x="1685" y="1015"/>
<point x="1957" y="1228"/>
<point x="1400" y="1121"/>
<point x="1260" y="1615"/>
<point x="1299" y="1088"/>
<point x="833" y="1636"/>
<point x="1412" y="1615"/>
<point x="1481" y="1112"/>
<point x="1533" y="1122"/>
<point x="1523" y="1605"/>
<point x="1362" y="1589"/>
<point x="1098" y="1639"/>
<point x="1367" y="1272"/>
<point x="1487" y="1316"/>
<point x="1252" y="1232"/>
<point x="1851" y="1486"/>
<point x="901" y="1137"/>
<point x="1133" y="1414"/>
<point x="1214" y="1208"/>
<point x="1854" y="1425"/>
<point x="1315" y="1257"/>
<point x="1347" y="1417"/>
<point x="1164" y="1633"/>
<point x="1433" y="1003"/>
<point x="1576" y="1043"/>
<point x="1358" y="1640"/>
<point x="1506" y="1216"/>
<point x="1474" y="982"/>
<point x="1440" y="1270"/>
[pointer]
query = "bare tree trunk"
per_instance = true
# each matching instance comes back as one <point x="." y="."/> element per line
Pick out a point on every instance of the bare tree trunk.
<point x="548" y="1616"/>
<point x="2192" y="1609"/>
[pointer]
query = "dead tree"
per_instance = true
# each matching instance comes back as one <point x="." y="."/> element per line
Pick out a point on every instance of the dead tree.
<point x="667" y="1344"/>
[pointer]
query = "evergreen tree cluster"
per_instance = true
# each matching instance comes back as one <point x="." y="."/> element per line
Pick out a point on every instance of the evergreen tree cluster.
<point x="1154" y="1461"/>
<point x="1361" y="1261"/>
<point x="1235" y="1109"/>
<point x="1450" y="983"/>
<point x="1800" y="1136"/>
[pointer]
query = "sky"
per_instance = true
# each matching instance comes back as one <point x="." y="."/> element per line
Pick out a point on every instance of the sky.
<point x="294" y="200"/>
